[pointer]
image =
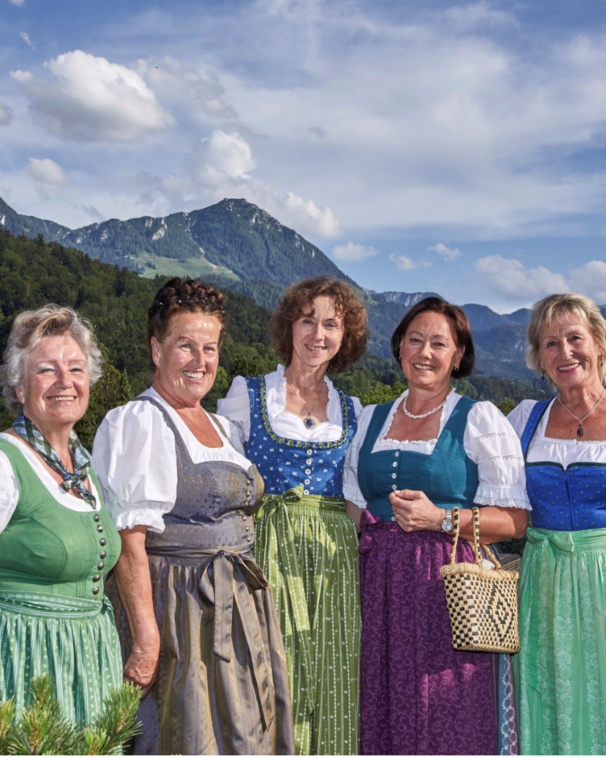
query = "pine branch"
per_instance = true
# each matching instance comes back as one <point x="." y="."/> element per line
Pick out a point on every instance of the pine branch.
<point x="7" y="715"/>
<point x="115" y="724"/>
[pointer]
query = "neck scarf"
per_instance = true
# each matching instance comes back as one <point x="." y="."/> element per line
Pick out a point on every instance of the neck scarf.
<point x="25" y="428"/>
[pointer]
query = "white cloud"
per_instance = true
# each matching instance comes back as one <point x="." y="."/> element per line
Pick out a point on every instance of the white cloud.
<point x="25" y="37"/>
<point x="90" y="99"/>
<point x="17" y="2"/>
<point x="47" y="172"/>
<point x="509" y="278"/>
<point x="404" y="263"/>
<point x="353" y="252"/>
<point x="590" y="280"/>
<point x="6" y="115"/>
<point x="221" y="166"/>
<point x="446" y="252"/>
<point x="174" y="81"/>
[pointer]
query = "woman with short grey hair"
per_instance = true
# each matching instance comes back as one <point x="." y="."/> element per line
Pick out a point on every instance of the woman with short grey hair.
<point x="560" y="673"/>
<point x="57" y="541"/>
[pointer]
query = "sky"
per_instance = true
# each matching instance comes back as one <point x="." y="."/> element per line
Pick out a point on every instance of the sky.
<point x="423" y="145"/>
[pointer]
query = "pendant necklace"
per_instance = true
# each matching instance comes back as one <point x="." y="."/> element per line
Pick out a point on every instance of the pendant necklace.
<point x="417" y="417"/>
<point x="308" y="421"/>
<point x="580" y="430"/>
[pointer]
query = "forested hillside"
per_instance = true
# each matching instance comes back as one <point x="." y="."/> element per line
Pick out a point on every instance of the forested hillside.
<point x="115" y="300"/>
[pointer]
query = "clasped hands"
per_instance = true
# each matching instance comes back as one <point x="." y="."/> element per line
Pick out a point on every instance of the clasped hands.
<point x="414" y="511"/>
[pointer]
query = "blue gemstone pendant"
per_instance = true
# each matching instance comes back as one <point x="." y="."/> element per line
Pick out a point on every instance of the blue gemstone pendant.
<point x="309" y="422"/>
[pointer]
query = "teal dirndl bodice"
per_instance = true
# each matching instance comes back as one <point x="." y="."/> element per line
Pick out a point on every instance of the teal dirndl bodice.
<point x="447" y="476"/>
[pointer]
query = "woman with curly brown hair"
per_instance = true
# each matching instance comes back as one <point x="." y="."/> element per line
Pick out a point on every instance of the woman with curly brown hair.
<point x="297" y="427"/>
<point x="196" y="616"/>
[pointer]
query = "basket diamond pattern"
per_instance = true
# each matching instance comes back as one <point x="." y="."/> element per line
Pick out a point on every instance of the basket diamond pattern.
<point x="482" y="603"/>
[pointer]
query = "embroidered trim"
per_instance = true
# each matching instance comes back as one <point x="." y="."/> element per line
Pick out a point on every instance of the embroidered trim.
<point x="497" y="433"/>
<point x="295" y="443"/>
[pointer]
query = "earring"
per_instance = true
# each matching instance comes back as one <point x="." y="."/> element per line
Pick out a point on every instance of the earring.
<point x="456" y="368"/>
<point x="157" y="373"/>
<point x="543" y="375"/>
<point x="601" y="361"/>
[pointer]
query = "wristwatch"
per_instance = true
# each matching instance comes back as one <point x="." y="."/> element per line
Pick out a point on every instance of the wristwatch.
<point x="447" y="522"/>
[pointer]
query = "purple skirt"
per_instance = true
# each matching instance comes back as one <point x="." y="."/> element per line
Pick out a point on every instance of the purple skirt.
<point x="419" y="695"/>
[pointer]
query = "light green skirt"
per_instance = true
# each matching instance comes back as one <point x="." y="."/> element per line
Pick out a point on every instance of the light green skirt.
<point x="75" y="640"/>
<point x="308" y="549"/>
<point x="560" y="673"/>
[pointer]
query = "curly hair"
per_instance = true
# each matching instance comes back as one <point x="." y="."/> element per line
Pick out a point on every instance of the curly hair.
<point x="554" y="306"/>
<point x="28" y="330"/>
<point x="461" y="326"/>
<point x="299" y="300"/>
<point x="183" y="296"/>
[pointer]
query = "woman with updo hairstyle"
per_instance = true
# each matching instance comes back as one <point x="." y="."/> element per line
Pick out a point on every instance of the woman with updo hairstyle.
<point x="195" y="614"/>
<point x="297" y="427"/>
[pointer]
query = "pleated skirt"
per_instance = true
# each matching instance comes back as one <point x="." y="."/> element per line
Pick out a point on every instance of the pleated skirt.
<point x="419" y="695"/>
<point x="308" y="549"/>
<point x="74" y="640"/>
<point x="223" y="685"/>
<point x="560" y="673"/>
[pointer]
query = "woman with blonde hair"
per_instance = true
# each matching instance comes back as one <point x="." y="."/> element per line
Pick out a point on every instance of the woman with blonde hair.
<point x="560" y="674"/>
<point x="57" y="541"/>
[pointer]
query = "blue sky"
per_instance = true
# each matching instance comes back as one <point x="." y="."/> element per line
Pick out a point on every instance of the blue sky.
<point x="422" y="144"/>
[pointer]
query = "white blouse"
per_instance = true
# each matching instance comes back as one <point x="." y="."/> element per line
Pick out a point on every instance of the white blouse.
<point x="136" y="461"/>
<point x="544" y="448"/>
<point x="489" y="441"/>
<point x="9" y="490"/>
<point x="236" y="407"/>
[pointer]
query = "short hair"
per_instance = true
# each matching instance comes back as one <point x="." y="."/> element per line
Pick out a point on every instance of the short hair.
<point x="461" y="326"/>
<point x="299" y="300"/>
<point x="183" y="296"/>
<point x="28" y="330"/>
<point x="554" y="306"/>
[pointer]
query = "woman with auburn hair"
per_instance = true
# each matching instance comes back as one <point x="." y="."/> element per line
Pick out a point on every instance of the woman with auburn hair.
<point x="57" y="541"/>
<point x="560" y="673"/>
<point x="297" y="427"/>
<point x="412" y="461"/>
<point x="196" y="616"/>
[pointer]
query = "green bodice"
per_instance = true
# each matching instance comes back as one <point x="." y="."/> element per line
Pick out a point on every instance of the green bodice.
<point x="47" y="548"/>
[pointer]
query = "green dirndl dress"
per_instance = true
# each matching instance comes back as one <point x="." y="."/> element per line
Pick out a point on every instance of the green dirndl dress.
<point x="54" y="617"/>
<point x="560" y="672"/>
<point x="307" y="546"/>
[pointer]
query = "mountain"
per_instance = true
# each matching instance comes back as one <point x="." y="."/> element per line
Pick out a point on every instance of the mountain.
<point x="233" y="238"/>
<point x="407" y="299"/>
<point x="240" y="247"/>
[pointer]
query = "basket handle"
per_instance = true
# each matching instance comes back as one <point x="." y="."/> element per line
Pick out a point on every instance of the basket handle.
<point x="475" y="545"/>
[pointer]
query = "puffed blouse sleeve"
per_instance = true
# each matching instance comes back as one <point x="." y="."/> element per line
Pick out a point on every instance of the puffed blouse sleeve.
<point x="351" y="490"/>
<point x="491" y="442"/>
<point x="9" y="491"/>
<point x="236" y="407"/>
<point x="135" y="460"/>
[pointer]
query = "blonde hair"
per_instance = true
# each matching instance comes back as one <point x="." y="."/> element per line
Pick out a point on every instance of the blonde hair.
<point x="555" y="306"/>
<point x="29" y="328"/>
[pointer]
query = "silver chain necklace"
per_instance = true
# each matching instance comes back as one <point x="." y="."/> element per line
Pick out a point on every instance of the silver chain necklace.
<point x="417" y="417"/>
<point x="580" y="430"/>
<point x="308" y="421"/>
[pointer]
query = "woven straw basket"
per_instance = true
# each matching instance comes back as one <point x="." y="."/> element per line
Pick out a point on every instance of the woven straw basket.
<point x="482" y="603"/>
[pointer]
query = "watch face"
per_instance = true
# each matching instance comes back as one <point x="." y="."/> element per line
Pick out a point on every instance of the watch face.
<point x="446" y="525"/>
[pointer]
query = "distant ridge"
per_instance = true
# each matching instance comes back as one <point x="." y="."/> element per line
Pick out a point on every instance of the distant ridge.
<point x="241" y="247"/>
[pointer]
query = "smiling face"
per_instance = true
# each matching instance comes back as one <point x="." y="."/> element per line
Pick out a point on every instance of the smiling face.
<point x="317" y="335"/>
<point x="55" y="387"/>
<point x="187" y="358"/>
<point x="429" y="351"/>
<point x="569" y="353"/>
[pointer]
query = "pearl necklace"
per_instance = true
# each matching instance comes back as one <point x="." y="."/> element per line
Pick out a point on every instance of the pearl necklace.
<point x="581" y="430"/>
<point x="418" y="417"/>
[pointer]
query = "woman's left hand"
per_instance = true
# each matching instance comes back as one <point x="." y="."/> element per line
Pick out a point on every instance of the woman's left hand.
<point x="414" y="511"/>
